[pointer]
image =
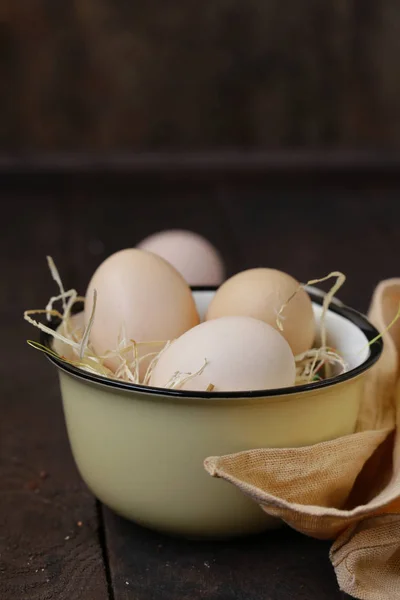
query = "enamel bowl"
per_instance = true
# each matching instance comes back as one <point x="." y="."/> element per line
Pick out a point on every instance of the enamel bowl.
<point x="141" y="450"/>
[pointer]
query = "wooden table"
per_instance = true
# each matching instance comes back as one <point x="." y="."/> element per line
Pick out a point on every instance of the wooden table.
<point x="56" y="540"/>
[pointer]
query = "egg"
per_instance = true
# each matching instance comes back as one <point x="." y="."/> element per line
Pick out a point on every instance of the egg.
<point x="142" y="295"/>
<point x="239" y="354"/>
<point x="260" y="293"/>
<point x="191" y="254"/>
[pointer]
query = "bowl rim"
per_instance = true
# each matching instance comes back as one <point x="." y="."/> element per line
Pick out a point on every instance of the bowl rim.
<point x="316" y="295"/>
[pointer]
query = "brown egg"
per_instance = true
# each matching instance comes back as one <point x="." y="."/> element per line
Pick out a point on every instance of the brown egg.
<point x="260" y="293"/>
<point x="144" y="296"/>
<point x="192" y="255"/>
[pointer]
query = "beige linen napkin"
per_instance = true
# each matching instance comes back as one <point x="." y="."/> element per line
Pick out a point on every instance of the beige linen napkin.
<point x="346" y="489"/>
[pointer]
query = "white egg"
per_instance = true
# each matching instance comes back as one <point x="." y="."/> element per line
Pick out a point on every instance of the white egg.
<point x="191" y="254"/>
<point x="240" y="353"/>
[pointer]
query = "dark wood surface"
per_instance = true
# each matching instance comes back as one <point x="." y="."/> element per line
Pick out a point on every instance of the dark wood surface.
<point x="56" y="541"/>
<point x="49" y="527"/>
<point x="114" y="74"/>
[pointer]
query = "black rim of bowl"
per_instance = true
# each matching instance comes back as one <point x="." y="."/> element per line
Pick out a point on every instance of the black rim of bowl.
<point x="358" y="319"/>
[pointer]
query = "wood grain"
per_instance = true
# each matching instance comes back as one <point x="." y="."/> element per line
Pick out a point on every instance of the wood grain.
<point x="101" y="75"/>
<point x="362" y="164"/>
<point x="49" y="528"/>
<point x="279" y="565"/>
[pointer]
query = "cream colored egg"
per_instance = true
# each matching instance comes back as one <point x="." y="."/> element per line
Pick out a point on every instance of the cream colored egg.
<point x="191" y="254"/>
<point x="241" y="353"/>
<point x="260" y="293"/>
<point x="141" y="296"/>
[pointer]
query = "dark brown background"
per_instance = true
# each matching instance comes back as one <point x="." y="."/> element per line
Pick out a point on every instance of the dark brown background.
<point x="183" y="74"/>
<point x="104" y="78"/>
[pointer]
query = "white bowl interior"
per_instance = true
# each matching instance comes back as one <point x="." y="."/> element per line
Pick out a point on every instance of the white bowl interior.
<point x="343" y="335"/>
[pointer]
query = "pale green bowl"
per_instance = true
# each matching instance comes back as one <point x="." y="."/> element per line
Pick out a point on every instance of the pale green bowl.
<point x="141" y="450"/>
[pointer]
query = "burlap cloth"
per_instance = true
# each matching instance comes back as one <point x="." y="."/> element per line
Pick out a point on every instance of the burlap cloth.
<point x="346" y="489"/>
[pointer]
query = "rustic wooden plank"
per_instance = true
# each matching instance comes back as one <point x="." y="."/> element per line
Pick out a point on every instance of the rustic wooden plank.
<point x="49" y="527"/>
<point x="232" y="163"/>
<point x="109" y="75"/>
<point x="280" y="565"/>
